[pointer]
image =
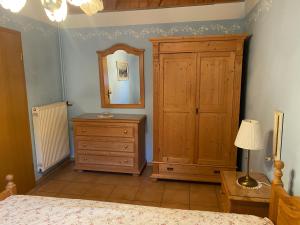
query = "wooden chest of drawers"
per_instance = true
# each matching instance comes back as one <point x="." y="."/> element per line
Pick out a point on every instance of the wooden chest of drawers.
<point x="114" y="144"/>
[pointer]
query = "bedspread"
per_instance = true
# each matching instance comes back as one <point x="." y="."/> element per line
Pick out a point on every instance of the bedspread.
<point x="35" y="210"/>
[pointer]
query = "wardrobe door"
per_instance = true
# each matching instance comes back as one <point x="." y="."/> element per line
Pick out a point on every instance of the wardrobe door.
<point x="177" y="105"/>
<point x="215" y="101"/>
<point x="15" y="140"/>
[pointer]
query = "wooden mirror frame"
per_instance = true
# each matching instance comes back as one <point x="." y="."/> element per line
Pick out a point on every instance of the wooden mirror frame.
<point x="103" y="75"/>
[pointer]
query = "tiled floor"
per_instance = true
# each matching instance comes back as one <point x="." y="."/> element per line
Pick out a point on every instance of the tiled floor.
<point x="124" y="188"/>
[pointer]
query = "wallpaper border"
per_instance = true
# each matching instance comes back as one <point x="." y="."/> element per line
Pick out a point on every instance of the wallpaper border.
<point x="25" y="24"/>
<point x="154" y="30"/>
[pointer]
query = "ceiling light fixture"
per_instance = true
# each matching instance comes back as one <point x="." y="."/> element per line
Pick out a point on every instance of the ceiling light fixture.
<point x="92" y="7"/>
<point x="78" y="2"/>
<point x="57" y="10"/>
<point x="51" y="5"/>
<point x="59" y="14"/>
<point x="14" y="6"/>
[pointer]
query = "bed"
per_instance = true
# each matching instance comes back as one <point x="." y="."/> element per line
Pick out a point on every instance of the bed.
<point x="31" y="210"/>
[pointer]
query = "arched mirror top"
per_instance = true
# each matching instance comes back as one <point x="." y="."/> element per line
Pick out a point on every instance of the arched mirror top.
<point x="124" y="47"/>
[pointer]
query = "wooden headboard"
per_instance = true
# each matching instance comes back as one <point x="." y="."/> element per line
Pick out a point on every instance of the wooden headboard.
<point x="284" y="209"/>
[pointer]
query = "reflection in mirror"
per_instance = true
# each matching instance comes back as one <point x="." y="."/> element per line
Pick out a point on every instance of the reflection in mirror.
<point x="122" y="77"/>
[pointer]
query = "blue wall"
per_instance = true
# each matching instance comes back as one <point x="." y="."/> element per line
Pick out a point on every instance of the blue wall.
<point x="81" y="74"/>
<point x="41" y="60"/>
<point x="273" y="81"/>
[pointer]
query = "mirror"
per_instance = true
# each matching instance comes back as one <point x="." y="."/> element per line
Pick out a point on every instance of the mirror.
<point x="121" y="70"/>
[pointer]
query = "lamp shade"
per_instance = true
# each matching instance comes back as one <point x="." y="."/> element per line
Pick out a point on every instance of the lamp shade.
<point x="249" y="136"/>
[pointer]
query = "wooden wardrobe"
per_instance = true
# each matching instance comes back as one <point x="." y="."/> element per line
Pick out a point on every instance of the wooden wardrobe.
<point x="197" y="85"/>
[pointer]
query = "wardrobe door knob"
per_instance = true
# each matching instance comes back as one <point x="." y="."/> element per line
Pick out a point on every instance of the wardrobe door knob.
<point x="125" y="132"/>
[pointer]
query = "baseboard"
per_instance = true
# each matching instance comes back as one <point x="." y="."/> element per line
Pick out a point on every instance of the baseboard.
<point x="53" y="169"/>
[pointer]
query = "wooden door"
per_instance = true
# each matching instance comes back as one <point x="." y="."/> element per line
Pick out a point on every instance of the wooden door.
<point x="215" y="102"/>
<point x="15" y="141"/>
<point x="177" y="101"/>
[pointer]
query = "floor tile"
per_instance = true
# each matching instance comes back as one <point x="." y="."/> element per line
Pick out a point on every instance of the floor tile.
<point x="71" y="196"/>
<point x="52" y="186"/>
<point x="73" y="188"/>
<point x="200" y="192"/>
<point x="99" y="191"/>
<point x="64" y="176"/>
<point x="149" y="194"/>
<point x="203" y="197"/>
<point x="174" y="196"/>
<point x="204" y="187"/>
<point x="86" y="177"/>
<point x="128" y="180"/>
<point x="177" y="185"/>
<point x="114" y="179"/>
<point x="123" y="193"/>
<point x="152" y="184"/>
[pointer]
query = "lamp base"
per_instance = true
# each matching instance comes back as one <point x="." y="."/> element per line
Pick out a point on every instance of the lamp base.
<point x="247" y="181"/>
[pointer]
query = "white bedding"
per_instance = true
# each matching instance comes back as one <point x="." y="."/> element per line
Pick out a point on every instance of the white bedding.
<point x="34" y="210"/>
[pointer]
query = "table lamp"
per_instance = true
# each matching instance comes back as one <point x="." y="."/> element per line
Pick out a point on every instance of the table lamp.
<point x="249" y="138"/>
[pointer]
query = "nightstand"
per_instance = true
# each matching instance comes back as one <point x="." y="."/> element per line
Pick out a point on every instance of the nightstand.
<point x="236" y="199"/>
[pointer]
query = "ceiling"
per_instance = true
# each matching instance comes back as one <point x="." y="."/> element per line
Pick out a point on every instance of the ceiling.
<point x="126" y="5"/>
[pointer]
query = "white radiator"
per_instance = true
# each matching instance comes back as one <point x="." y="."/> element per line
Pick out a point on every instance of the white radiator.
<point x="51" y="135"/>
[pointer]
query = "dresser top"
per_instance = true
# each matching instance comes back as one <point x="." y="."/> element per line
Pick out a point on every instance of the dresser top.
<point x="114" y="118"/>
<point x="235" y="192"/>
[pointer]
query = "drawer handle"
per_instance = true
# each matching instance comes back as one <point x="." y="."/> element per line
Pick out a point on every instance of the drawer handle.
<point x="84" y="146"/>
<point x="216" y="171"/>
<point x="125" y="132"/>
<point x="170" y="168"/>
<point x="83" y="131"/>
<point x="126" y="146"/>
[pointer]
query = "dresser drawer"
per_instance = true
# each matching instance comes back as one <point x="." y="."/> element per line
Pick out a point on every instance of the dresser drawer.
<point x="105" y="160"/>
<point x="105" y="153"/>
<point x="102" y="145"/>
<point x="189" y="169"/>
<point x="105" y="131"/>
